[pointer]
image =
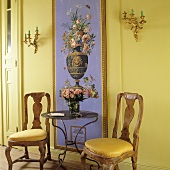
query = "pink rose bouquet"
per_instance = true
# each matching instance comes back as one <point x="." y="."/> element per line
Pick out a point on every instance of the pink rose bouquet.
<point x="71" y="94"/>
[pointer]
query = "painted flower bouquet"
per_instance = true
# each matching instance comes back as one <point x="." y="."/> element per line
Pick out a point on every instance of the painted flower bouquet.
<point x="78" y="36"/>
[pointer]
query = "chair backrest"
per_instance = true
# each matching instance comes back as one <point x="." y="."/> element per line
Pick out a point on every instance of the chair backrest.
<point x="36" y="109"/>
<point x="128" y="116"/>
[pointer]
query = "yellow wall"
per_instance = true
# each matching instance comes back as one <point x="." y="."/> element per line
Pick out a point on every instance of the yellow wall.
<point x="37" y="68"/>
<point x="142" y="67"/>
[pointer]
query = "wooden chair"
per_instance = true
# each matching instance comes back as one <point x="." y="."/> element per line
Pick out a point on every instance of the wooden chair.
<point x="111" y="151"/>
<point x="35" y="136"/>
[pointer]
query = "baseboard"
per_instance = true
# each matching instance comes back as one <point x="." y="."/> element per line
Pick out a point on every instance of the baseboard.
<point x="128" y="166"/>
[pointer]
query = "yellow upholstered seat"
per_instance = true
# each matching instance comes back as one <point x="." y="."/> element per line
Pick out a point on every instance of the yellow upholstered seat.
<point x="29" y="135"/>
<point x="108" y="147"/>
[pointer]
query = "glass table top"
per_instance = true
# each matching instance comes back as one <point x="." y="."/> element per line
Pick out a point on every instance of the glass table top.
<point x="65" y="115"/>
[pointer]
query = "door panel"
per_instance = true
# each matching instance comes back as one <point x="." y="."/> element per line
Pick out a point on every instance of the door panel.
<point x="9" y="68"/>
<point x="1" y="121"/>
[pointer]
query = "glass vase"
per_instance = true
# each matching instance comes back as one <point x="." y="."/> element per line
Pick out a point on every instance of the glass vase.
<point x="74" y="107"/>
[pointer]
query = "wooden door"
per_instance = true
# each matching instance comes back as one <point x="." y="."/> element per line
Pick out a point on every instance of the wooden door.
<point x="10" y="71"/>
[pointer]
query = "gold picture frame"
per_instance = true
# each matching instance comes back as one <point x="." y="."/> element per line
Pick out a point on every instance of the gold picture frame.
<point x="103" y="60"/>
<point x="81" y="136"/>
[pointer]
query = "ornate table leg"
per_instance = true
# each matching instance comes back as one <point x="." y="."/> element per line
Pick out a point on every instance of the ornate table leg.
<point x="75" y="142"/>
<point x="64" y="131"/>
<point x="67" y="142"/>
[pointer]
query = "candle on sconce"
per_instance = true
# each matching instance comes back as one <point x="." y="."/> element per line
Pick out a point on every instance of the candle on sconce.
<point x="135" y="22"/>
<point x="25" y="37"/>
<point x="132" y="11"/>
<point x="32" y="41"/>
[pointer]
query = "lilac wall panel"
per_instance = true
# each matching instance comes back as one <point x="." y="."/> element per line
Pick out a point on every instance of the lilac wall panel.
<point x="94" y="64"/>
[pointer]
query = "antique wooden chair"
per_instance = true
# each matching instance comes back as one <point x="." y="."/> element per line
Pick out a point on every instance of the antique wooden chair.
<point x="35" y="136"/>
<point x="111" y="151"/>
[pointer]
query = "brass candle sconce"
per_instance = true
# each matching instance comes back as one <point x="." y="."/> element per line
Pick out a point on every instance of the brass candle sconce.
<point x="33" y="43"/>
<point x="133" y="21"/>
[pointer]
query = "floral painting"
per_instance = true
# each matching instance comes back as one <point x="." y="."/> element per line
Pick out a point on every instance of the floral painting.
<point x="78" y="28"/>
<point x="78" y="31"/>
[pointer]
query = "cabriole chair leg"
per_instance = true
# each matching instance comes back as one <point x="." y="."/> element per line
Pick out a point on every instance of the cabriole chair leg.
<point x="8" y="156"/>
<point x="26" y="153"/>
<point x="42" y="156"/>
<point x="48" y="153"/>
<point x="134" y="163"/>
<point x="83" y="160"/>
<point x="117" y="167"/>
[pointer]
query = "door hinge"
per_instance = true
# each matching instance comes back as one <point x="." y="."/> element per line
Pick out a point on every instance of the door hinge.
<point x="16" y="63"/>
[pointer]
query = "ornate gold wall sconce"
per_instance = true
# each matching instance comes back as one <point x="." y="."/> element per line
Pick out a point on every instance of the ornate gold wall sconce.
<point x="133" y="21"/>
<point x="33" y="43"/>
